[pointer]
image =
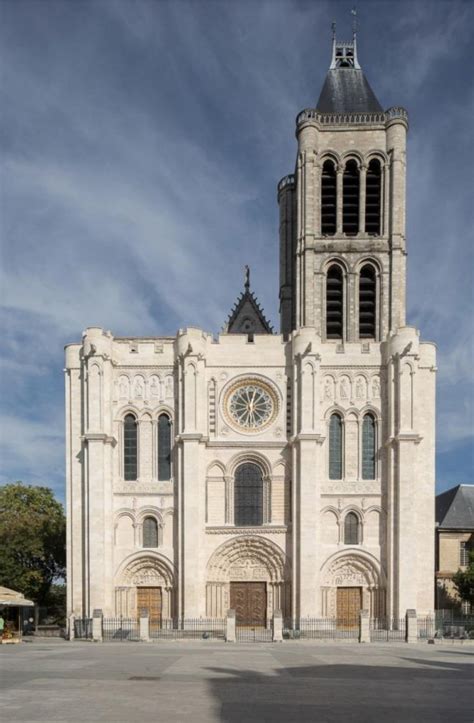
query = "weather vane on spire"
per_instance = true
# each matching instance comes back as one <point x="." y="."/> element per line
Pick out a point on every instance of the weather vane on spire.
<point x="354" y="20"/>
<point x="247" y="277"/>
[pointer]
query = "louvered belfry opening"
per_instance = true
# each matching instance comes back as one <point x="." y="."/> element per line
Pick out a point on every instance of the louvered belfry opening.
<point x="373" y="194"/>
<point x="367" y="302"/>
<point x="328" y="199"/>
<point x="334" y="302"/>
<point x="350" y="199"/>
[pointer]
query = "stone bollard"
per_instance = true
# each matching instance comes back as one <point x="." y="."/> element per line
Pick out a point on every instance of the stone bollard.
<point x="144" y="626"/>
<point x="230" y="627"/>
<point x="364" y="627"/>
<point x="411" y="627"/>
<point x="97" y="625"/>
<point x="277" y="626"/>
<point x="72" y="626"/>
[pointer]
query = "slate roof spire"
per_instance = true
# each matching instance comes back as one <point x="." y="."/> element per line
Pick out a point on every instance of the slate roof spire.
<point x="247" y="316"/>
<point x="346" y="89"/>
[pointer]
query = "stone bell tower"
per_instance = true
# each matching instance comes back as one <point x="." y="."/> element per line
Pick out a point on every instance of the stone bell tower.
<point x="346" y="200"/>
<point x="363" y="385"/>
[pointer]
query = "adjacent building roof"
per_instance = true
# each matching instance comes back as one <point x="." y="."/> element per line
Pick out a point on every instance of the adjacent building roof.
<point x="247" y="316"/>
<point x="455" y="508"/>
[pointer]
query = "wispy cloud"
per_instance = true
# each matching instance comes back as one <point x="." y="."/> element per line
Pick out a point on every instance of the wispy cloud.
<point x="142" y="143"/>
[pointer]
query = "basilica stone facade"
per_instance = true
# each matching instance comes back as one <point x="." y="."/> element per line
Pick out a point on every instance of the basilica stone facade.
<point x="262" y="471"/>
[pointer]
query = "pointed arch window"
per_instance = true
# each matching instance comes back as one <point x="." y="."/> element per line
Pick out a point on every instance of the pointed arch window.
<point x="335" y="447"/>
<point x="328" y="199"/>
<point x="350" y="199"/>
<point x="150" y="532"/>
<point x="248" y="495"/>
<point x="368" y="447"/>
<point x="164" y="447"/>
<point x="367" y="302"/>
<point x="351" y="529"/>
<point x="334" y="302"/>
<point x="130" y="448"/>
<point x="373" y="194"/>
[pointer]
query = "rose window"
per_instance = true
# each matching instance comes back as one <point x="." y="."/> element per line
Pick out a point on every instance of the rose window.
<point x="251" y="405"/>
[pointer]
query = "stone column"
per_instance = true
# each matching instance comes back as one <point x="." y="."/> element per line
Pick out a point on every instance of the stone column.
<point x="230" y="627"/>
<point x="364" y="627"/>
<point x="411" y="626"/>
<point x="144" y="626"/>
<point x="277" y="626"/>
<point x="97" y="626"/>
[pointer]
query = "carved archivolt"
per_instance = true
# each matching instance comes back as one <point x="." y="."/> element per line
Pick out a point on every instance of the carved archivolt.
<point x="149" y="569"/>
<point x="250" y="558"/>
<point x="348" y="569"/>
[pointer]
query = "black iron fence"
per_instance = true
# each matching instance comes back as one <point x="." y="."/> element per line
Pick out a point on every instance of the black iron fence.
<point x="321" y="629"/>
<point x="253" y="631"/>
<point x="387" y="630"/>
<point x="188" y="629"/>
<point x="120" y="629"/>
<point x="83" y="628"/>
<point x="446" y="627"/>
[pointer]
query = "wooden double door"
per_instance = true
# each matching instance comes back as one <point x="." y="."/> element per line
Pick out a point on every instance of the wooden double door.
<point x="150" y="599"/>
<point x="249" y="600"/>
<point x="349" y="603"/>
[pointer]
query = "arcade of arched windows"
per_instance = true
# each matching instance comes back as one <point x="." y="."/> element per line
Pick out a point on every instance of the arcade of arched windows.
<point x="352" y="525"/>
<point x="352" y="446"/>
<point x="357" y="289"/>
<point x="352" y="196"/>
<point x="145" y="446"/>
<point x="147" y="528"/>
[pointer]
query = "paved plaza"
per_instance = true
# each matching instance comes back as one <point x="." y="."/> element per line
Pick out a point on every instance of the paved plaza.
<point x="208" y="681"/>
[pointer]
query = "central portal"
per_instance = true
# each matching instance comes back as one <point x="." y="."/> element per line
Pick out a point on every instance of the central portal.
<point x="249" y="600"/>
<point x="149" y="598"/>
<point x="349" y="602"/>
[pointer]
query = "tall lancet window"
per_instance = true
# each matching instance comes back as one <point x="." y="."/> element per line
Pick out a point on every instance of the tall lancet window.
<point x="164" y="447"/>
<point x="248" y="495"/>
<point x="350" y="199"/>
<point x="351" y="529"/>
<point x="335" y="447"/>
<point x="334" y="302"/>
<point x="130" y="448"/>
<point x="328" y="199"/>
<point x="150" y="532"/>
<point x="373" y="185"/>
<point x="368" y="447"/>
<point x="367" y="302"/>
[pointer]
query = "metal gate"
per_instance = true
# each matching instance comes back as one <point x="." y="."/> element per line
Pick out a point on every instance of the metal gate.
<point x="385" y="630"/>
<point x="252" y="631"/>
<point x="120" y="629"/>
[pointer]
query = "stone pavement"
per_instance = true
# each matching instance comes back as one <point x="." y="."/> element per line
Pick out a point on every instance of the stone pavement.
<point x="56" y="681"/>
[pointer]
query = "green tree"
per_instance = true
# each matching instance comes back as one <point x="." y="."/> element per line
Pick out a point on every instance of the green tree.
<point x="464" y="581"/>
<point x="32" y="540"/>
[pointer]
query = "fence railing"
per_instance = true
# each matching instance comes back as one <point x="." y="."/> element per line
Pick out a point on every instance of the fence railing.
<point x="253" y="631"/>
<point x="188" y="628"/>
<point x="447" y="628"/>
<point x="83" y="628"/>
<point x="322" y="629"/>
<point x="386" y="629"/>
<point x="120" y="629"/>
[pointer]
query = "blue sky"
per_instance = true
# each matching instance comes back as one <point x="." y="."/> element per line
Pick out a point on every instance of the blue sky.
<point x="142" y="143"/>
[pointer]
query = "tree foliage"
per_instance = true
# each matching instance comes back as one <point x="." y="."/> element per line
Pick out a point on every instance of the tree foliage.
<point x="32" y="540"/>
<point x="464" y="581"/>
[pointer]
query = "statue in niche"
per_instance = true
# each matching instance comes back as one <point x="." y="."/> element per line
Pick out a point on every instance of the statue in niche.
<point x="138" y="388"/>
<point x="155" y="388"/>
<point x="375" y="388"/>
<point x="123" y="388"/>
<point x="344" y="388"/>
<point x="360" y="389"/>
<point x="169" y="387"/>
<point x="328" y="389"/>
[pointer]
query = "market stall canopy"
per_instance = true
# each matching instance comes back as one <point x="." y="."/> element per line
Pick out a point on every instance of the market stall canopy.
<point x="13" y="598"/>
